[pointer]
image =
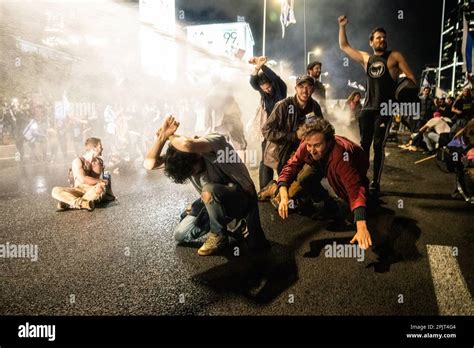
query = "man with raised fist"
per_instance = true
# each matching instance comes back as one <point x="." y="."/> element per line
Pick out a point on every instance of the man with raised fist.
<point x="383" y="68"/>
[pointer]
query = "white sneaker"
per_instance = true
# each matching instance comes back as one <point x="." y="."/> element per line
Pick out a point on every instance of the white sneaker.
<point x="213" y="244"/>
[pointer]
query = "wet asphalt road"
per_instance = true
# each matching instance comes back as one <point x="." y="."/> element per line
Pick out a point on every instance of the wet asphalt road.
<point x="122" y="259"/>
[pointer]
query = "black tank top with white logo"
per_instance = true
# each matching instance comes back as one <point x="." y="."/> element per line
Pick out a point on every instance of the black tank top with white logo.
<point x="380" y="85"/>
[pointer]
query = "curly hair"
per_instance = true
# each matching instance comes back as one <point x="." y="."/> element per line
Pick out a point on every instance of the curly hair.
<point x="179" y="165"/>
<point x="319" y="125"/>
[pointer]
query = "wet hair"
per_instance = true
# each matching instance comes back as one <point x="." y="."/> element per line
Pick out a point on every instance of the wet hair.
<point x="262" y="79"/>
<point x="375" y="30"/>
<point x="312" y="65"/>
<point x="179" y="165"/>
<point x="319" y="125"/>
<point x="92" y="142"/>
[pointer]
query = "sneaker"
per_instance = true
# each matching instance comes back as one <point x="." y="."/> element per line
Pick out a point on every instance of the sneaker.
<point x="268" y="191"/>
<point x="62" y="206"/>
<point x="213" y="244"/>
<point x="88" y="205"/>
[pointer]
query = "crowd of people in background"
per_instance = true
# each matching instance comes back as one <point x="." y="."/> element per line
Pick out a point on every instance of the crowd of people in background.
<point x="46" y="131"/>
<point x="440" y="118"/>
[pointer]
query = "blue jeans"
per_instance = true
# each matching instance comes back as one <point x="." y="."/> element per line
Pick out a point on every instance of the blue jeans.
<point x="226" y="203"/>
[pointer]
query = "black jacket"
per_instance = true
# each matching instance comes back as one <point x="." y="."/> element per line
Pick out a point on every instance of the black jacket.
<point x="278" y="85"/>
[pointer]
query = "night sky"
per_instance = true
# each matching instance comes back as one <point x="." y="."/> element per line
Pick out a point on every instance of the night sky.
<point x="417" y="35"/>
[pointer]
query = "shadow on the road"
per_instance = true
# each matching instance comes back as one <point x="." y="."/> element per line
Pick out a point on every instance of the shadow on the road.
<point x="316" y="246"/>
<point x="394" y="238"/>
<point x="260" y="278"/>
<point x="105" y="204"/>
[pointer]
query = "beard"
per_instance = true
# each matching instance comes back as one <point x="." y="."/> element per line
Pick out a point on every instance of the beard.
<point x="381" y="48"/>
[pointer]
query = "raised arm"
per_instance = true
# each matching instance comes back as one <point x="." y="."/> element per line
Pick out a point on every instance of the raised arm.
<point x="259" y="62"/>
<point x="154" y="159"/>
<point x="359" y="56"/>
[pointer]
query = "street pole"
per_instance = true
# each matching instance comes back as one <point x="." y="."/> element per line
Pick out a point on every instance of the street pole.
<point x="304" y="31"/>
<point x="453" y="78"/>
<point x="441" y="46"/>
<point x="264" y="25"/>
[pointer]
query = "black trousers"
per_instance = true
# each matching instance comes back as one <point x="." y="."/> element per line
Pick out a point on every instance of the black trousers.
<point x="265" y="174"/>
<point x="374" y="128"/>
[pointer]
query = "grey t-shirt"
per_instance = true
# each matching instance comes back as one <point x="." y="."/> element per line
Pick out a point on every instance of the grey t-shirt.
<point x="222" y="166"/>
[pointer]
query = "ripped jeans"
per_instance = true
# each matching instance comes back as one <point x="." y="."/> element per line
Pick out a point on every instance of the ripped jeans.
<point x="223" y="204"/>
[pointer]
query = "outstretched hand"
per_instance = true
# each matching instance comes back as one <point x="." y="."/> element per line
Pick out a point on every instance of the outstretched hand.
<point x="362" y="237"/>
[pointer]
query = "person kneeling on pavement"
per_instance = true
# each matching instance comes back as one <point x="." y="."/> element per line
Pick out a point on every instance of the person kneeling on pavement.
<point x="227" y="193"/>
<point x="340" y="160"/>
<point x="86" y="177"/>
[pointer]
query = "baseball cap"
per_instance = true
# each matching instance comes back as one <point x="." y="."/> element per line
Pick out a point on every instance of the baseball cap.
<point x="305" y="78"/>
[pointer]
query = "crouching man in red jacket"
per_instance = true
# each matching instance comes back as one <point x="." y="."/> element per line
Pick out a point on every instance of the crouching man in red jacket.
<point x="340" y="160"/>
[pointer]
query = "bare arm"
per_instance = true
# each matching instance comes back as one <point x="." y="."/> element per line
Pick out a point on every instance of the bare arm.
<point x="154" y="159"/>
<point x="359" y="56"/>
<point x="424" y="128"/>
<point x="80" y="174"/>
<point x="184" y="144"/>
<point x="404" y="67"/>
